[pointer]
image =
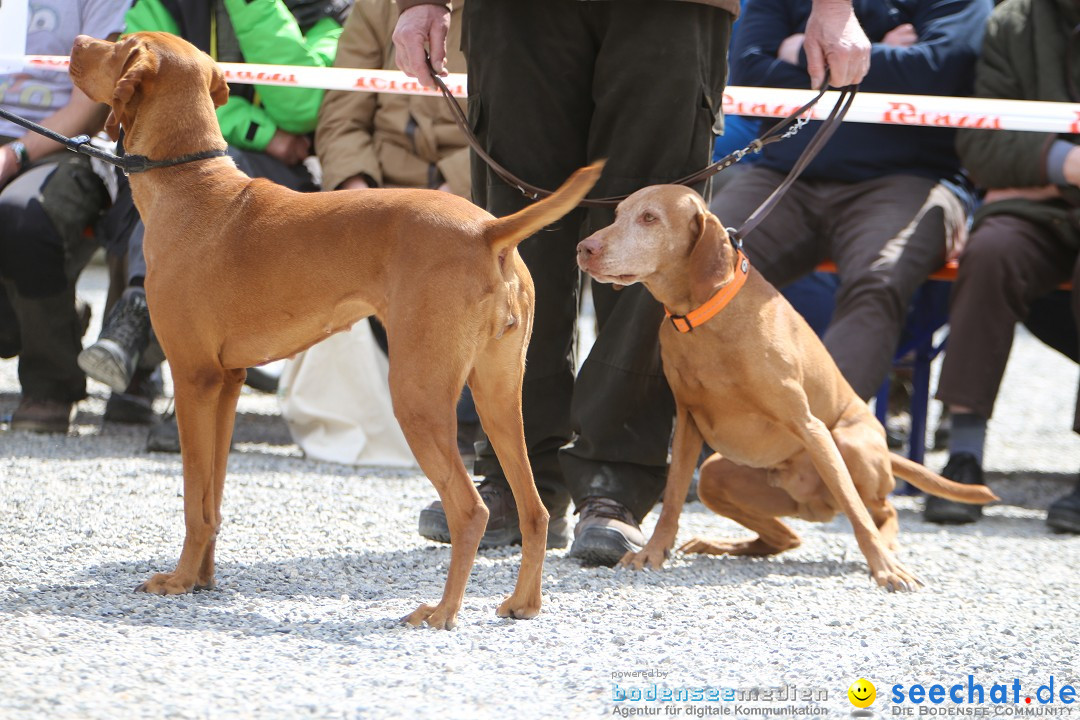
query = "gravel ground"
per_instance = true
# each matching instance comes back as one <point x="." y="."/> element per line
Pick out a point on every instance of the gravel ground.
<point x="317" y="562"/>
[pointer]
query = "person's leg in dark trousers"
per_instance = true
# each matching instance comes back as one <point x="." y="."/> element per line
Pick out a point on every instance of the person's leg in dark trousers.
<point x="886" y="236"/>
<point x="43" y="215"/>
<point x="622" y="408"/>
<point x="610" y="75"/>
<point x="788" y="243"/>
<point x="1007" y="264"/>
<point x="1063" y="515"/>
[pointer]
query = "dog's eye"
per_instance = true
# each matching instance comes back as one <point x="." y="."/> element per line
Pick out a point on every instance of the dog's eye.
<point x="648" y="217"/>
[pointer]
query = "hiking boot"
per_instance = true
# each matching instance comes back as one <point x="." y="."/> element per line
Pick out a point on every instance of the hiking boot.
<point x="135" y="406"/>
<point x="1063" y="514"/>
<point x="43" y="416"/>
<point x="964" y="469"/>
<point x="605" y="531"/>
<point x="125" y="333"/>
<point x="502" y="527"/>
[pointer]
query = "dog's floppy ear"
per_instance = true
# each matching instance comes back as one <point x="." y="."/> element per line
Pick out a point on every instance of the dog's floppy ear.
<point x="219" y="88"/>
<point x="139" y="70"/>
<point x="710" y="258"/>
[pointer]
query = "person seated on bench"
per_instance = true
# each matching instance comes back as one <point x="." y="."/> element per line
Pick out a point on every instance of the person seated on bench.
<point x="886" y="203"/>
<point x="49" y="196"/>
<point x="269" y="132"/>
<point x="1025" y="242"/>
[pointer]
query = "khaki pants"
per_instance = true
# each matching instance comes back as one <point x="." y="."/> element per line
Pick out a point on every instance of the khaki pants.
<point x="885" y="235"/>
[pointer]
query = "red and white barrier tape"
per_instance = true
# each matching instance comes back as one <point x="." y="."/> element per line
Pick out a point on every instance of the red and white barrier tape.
<point x="926" y="110"/>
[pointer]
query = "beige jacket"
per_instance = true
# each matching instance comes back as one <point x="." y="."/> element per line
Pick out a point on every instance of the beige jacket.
<point x="396" y="140"/>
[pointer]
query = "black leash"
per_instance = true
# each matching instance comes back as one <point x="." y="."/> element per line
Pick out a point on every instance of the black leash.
<point x="128" y="163"/>
<point x="785" y="128"/>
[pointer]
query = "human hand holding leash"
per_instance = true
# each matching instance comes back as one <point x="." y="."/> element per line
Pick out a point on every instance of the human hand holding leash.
<point x="416" y="27"/>
<point x="834" y="39"/>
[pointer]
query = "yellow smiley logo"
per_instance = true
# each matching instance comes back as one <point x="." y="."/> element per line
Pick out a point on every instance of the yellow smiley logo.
<point x="862" y="693"/>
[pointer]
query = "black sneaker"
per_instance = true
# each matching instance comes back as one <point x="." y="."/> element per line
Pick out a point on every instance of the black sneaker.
<point x="964" y="469"/>
<point x="125" y="333"/>
<point x="1063" y="514"/>
<point x="135" y="406"/>
<point x="605" y="531"/>
<point x="502" y="527"/>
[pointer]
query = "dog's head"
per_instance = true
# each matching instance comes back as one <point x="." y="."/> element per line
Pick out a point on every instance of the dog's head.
<point x="662" y="234"/>
<point x="122" y="74"/>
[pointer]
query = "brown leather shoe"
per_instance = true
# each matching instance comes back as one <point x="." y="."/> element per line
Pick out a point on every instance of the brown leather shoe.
<point x="42" y="416"/>
<point x="605" y="531"/>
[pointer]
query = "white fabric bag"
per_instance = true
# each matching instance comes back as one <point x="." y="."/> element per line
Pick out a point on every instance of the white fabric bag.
<point x="336" y="400"/>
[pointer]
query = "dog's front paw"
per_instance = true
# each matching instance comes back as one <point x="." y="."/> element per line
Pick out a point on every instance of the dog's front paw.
<point x="650" y="556"/>
<point x="166" y="584"/>
<point x="440" y="617"/>
<point x="894" y="577"/>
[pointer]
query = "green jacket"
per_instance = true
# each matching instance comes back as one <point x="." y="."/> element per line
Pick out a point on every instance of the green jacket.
<point x="1024" y="56"/>
<point x="267" y="32"/>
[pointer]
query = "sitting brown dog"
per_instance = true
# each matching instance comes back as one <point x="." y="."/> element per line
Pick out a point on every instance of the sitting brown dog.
<point x="753" y="380"/>
<point x="243" y="271"/>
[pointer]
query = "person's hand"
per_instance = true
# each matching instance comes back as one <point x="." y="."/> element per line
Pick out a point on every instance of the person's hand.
<point x="834" y="39"/>
<point x="356" y="182"/>
<point x="901" y="36"/>
<point x="9" y="165"/>
<point x="789" y="49"/>
<point x="418" y="26"/>
<point x="1035" y="194"/>
<point x="288" y="148"/>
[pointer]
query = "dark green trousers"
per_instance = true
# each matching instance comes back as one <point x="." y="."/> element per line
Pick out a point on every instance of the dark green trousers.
<point x="553" y="85"/>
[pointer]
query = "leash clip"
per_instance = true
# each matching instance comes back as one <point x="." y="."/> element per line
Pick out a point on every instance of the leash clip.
<point x="736" y="239"/>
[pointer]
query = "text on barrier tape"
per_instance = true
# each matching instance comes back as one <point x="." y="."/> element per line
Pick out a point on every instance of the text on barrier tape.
<point x="879" y="108"/>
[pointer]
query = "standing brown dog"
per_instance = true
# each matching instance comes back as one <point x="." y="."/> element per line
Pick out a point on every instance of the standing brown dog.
<point x="755" y="382"/>
<point x="243" y="271"/>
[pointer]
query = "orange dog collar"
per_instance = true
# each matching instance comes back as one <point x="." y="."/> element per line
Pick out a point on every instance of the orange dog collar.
<point x="701" y="315"/>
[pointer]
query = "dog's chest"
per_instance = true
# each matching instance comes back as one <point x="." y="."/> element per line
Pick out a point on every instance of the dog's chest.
<point x="724" y="397"/>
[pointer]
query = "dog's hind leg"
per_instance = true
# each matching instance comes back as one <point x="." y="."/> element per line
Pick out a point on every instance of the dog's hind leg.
<point x="496" y="386"/>
<point x="199" y="395"/>
<point x="744" y="495"/>
<point x="425" y="396"/>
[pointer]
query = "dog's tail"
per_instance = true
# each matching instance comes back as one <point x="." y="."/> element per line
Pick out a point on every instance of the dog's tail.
<point x="508" y="231"/>
<point x="934" y="484"/>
